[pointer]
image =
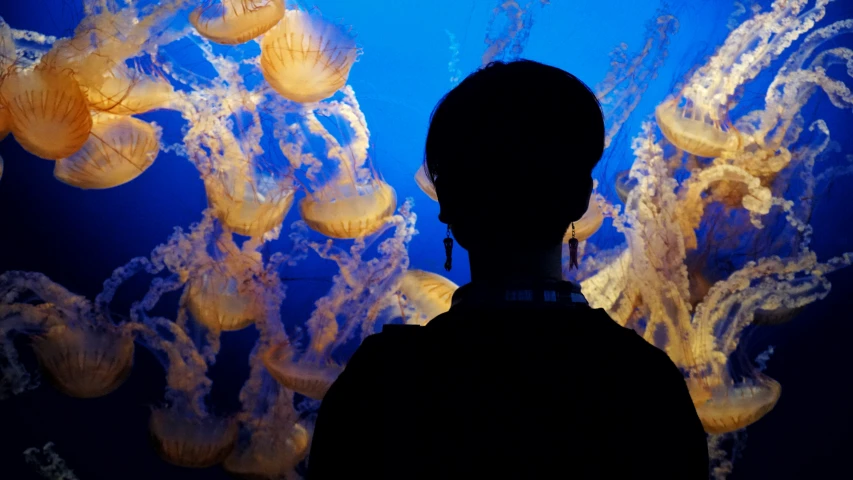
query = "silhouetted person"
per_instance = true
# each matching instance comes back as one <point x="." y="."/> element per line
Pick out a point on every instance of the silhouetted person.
<point x="521" y="378"/>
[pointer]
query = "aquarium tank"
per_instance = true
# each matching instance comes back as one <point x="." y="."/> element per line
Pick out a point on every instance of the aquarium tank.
<point x="207" y="205"/>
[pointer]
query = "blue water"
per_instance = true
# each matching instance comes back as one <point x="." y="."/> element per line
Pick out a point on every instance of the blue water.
<point x="78" y="237"/>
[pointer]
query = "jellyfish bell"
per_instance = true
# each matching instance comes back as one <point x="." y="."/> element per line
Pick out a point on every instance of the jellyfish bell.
<point x="49" y="113"/>
<point x="311" y="379"/>
<point x="776" y="317"/>
<point x="306" y="58"/>
<point x="221" y="300"/>
<point x="426" y="186"/>
<point x="270" y="459"/>
<point x="119" y="149"/>
<point x="188" y="440"/>
<point x="624" y="185"/>
<point x="5" y="122"/>
<point x="349" y="211"/>
<point x="695" y="129"/>
<point x="85" y="362"/>
<point x="232" y="22"/>
<point x="247" y="207"/>
<point x="428" y="292"/>
<point x="588" y="224"/>
<point x="126" y="92"/>
<point x="726" y="409"/>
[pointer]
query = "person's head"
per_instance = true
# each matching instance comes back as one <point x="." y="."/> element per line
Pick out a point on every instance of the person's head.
<point x="510" y="151"/>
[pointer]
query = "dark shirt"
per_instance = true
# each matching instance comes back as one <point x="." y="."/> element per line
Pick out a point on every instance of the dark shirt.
<point x="509" y="392"/>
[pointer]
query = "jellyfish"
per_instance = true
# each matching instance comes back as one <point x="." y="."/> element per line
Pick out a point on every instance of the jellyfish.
<point x="125" y="91"/>
<point x="306" y="58"/>
<point x="248" y="207"/>
<point x="509" y="29"/>
<point x="5" y="122"/>
<point x="82" y="351"/>
<point x="624" y="185"/>
<point x="119" y="149"/>
<point x="187" y="440"/>
<point x="221" y="298"/>
<point x="311" y="379"/>
<point x="49" y="113"/>
<point x="696" y="120"/>
<point x="347" y="198"/>
<point x="231" y="22"/>
<point x="423" y="181"/>
<point x="732" y="409"/>
<point x="429" y="293"/>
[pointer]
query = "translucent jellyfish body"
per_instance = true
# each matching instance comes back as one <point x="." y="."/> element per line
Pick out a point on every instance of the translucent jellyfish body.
<point x="5" y="122"/>
<point x="429" y="293"/>
<point x="264" y="460"/>
<point x="119" y="149"/>
<point x="729" y="409"/>
<point x="231" y="22"/>
<point x="187" y="440"/>
<point x="349" y="211"/>
<point x="50" y="115"/>
<point x="126" y="92"/>
<point x="248" y="208"/>
<point x="695" y="129"/>
<point x="222" y="301"/>
<point x="82" y="362"/>
<point x="311" y="379"/>
<point x="306" y="58"/>
<point x="426" y="186"/>
<point x="624" y="185"/>
<point x="588" y="224"/>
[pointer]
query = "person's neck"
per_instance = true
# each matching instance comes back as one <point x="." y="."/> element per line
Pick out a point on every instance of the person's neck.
<point x="505" y="265"/>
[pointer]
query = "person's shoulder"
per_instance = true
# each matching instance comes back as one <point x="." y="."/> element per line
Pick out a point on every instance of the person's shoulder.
<point x="391" y="338"/>
<point x="629" y="342"/>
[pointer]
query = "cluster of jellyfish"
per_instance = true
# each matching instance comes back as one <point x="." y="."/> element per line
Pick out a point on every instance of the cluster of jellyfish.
<point x="258" y="146"/>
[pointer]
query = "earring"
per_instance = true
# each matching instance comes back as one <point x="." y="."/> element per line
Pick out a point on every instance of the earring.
<point x="448" y="250"/>
<point x="573" y="249"/>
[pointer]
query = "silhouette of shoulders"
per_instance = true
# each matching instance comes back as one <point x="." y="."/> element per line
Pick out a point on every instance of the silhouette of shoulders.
<point x="509" y="393"/>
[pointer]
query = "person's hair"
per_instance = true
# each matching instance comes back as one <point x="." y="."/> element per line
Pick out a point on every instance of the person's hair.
<point x="511" y="151"/>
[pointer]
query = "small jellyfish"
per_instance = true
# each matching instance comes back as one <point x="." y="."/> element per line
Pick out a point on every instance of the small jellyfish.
<point x="188" y="440"/>
<point x="50" y="115"/>
<point x="308" y="378"/>
<point x="275" y="459"/>
<point x="222" y="301"/>
<point x="429" y="293"/>
<point x="128" y="92"/>
<point x="247" y="207"/>
<point x="426" y="186"/>
<point x="306" y="58"/>
<point x="624" y="185"/>
<point x="232" y="22"/>
<point x="84" y="362"/>
<point x="695" y="129"/>
<point x="119" y="149"/>
<point x="725" y="410"/>
<point x="349" y="211"/>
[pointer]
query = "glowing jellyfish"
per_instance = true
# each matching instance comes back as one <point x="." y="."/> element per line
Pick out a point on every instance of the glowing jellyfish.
<point x="231" y="22"/>
<point x="426" y="186"/>
<point x="306" y="58"/>
<point x="129" y="92"/>
<point x="311" y="379"/>
<point x="50" y="115"/>
<point x="187" y="440"/>
<point x="696" y="120"/>
<point x="727" y="410"/>
<point x="349" y="212"/>
<point x="588" y="224"/>
<point x="247" y="207"/>
<point x="222" y="301"/>
<point x="85" y="363"/>
<point x="429" y="293"/>
<point x="271" y="460"/>
<point x="118" y="150"/>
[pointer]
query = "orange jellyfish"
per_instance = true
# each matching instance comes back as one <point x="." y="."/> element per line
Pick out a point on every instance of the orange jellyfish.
<point x="273" y="456"/>
<point x="588" y="224"/>
<point x="426" y="186"/>
<point x="128" y="92"/>
<point x="248" y="207"/>
<point x="311" y="379"/>
<point x="50" y="115"/>
<point x="723" y="410"/>
<point x="231" y="22"/>
<point x="696" y="129"/>
<point x="222" y="299"/>
<point x="119" y="149"/>
<point x="84" y="362"/>
<point x="350" y="211"/>
<point x="5" y="122"/>
<point x="306" y="58"/>
<point x="187" y="440"/>
<point x="428" y="292"/>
